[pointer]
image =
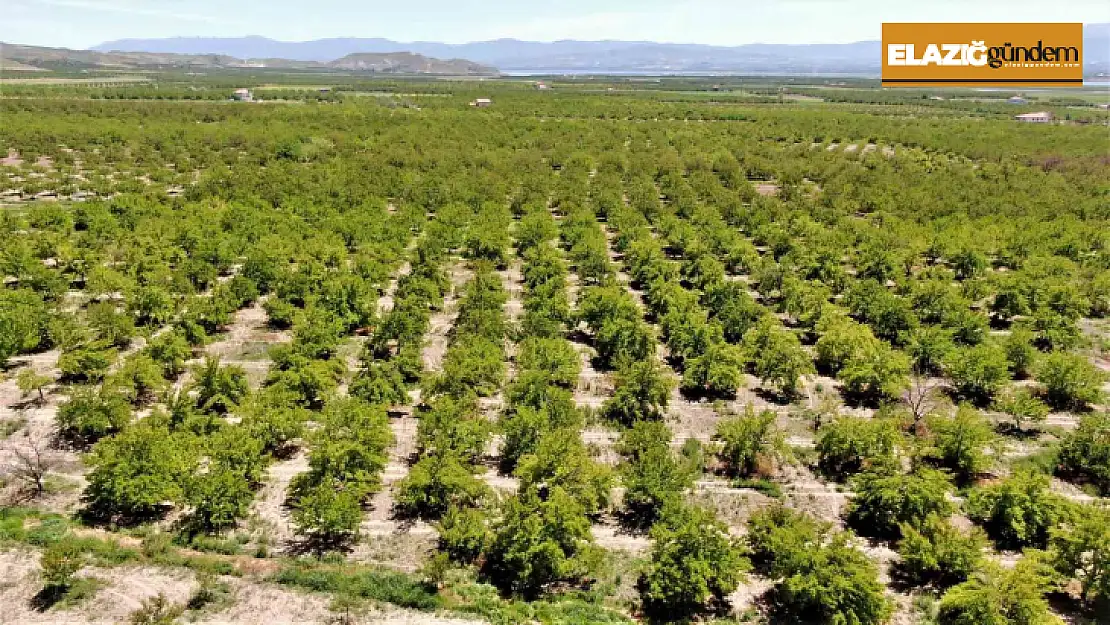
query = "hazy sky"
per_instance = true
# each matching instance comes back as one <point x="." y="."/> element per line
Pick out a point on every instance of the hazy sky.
<point x="84" y="23"/>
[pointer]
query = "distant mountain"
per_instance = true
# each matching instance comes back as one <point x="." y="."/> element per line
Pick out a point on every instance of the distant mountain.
<point x="393" y="63"/>
<point x="598" y="56"/>
<point x="407" y="63"/>
<point x="512" y="54"/>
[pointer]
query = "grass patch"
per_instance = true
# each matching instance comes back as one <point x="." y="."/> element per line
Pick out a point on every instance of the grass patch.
<point x="760" y="485"/>
<point x="363" y="583"/>
<point x="1042" y="461"/>
<point x="72" y="595"/>
<point x="7" y="428"/>
<point x="483" y="600"/>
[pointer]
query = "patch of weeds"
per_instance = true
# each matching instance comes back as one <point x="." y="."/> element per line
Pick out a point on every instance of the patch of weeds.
<point x="156" y="611"/>
<point x="360" y="582"/>
<point x="9" y="427"/>
<point x="211" y="593"/>
<point x="75" y="593"/>
<point x="47" y="531"/>
<point x="804" y="454"/>
<point x="760" y="485"/>
<point x="485" y="601"/>
<point x="212" y="544"/>
<point x="82" y="589"/>
<point x="1042" y="461"/>
<point x="925" y="608"/>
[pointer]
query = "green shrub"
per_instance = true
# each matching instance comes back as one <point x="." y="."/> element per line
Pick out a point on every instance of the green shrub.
<point x="694" y="561"/>
<point x="887" y="499"/>
<point x="936" y="552"/>
<point x="851" y="444"/>
<point x="1019" y="511"/>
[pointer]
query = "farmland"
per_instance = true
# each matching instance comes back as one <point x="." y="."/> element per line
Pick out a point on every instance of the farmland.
<point x="724" y="350"/>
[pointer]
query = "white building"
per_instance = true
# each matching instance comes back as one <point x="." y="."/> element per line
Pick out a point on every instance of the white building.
<point x="1041" y="117"/>
<point x="242" y="95"/>
<point x="482" y="102"/>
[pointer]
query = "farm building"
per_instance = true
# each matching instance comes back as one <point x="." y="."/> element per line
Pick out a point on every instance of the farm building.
<point x="482" y="102"/>
<point x="242" y="95"/>
<point x="1041" y="117"/>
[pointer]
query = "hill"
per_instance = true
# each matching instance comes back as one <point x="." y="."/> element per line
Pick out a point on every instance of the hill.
<point x="393" y="63"/>
<point x="597" y="56"/>
<point x="407" y="62"/>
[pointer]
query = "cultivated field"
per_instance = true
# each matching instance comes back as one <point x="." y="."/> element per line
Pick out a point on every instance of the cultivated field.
<point x="614" y="351"/>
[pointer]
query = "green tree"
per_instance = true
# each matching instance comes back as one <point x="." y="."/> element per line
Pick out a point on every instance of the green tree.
<point x="530" y="419"/>
<point x="1021" y="406"/>
<point x="1085" y="452"/>
<point x="1070" y="381"/>
<point x="695" y="563"/>
<point x="218" y="497"/>
<point x="1020" y="511"/>
<point x="464" y="534"/>
<point x="875" y="372"/>
<point x="29" y="381"/>
<point x="937" y="552"/>
<point x="137" y="471"/>
<point x="978" y="372"/>
<point x="562" y="460"/>
<point x="961" y="442"/>
<point x="111" y="325"/>
<point x="652" y="476"/>
<point x="540" y="541"/>
<point x="643" y="390"/>
<point x="1020" y="352"/>
<point x="349" y="447"/>
<point x="554" y="357"/>
<point x="887" y="499"/>
<point x="622" y="341"/>
<point x="779" y="537"/>
<point x="718" y="371"/>
<point x="328" y="512"/>
<point x="849" y="445"/>
<point x="751" y="444"/>
<point x="380" y="383"/>
<point x="60" y="562"/>
<point x="997" y="596"/>
<point x="777" y="357"/>
<point x="86" y="363"/>
<point x="139" y="379"/>
<point x="1080" y="550"/>
<point x="835" y="583"/>
<point x="170" y="350"/>
<point x="219" y="388"/>
<point x="90" y="414"/>
<point x="438" y="482"/>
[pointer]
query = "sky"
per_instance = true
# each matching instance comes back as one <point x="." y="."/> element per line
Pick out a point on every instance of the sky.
<point x="85" y="23"/>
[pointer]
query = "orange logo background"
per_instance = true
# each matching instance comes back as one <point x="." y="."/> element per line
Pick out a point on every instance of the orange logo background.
<point x="911" y="63"/>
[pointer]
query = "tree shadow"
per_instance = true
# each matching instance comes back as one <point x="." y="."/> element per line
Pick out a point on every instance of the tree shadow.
<point x="774" y="397"/>
<point x="702" y="394"/>
<point x="48" y="597"/>
<point x="1077" y="612"/>
<point x="94" y="515"/>
<point x="633" y="522"/>
<point x="1013" y="431"/>
<point x="26" y="404"/>
<point x="319" y="544"/>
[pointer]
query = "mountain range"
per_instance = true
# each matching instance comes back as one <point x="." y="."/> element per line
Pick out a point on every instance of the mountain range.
<point x="511" y="55"/>
<point x="22" y="58"/>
